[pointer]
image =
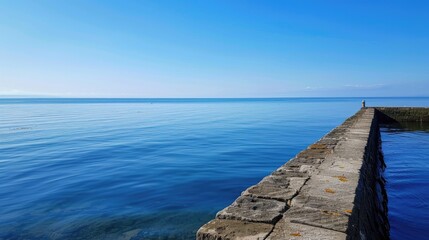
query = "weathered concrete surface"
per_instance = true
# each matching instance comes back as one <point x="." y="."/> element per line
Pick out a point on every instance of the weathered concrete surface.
<point x="253" y="209"/>
<point x="286" y="229"/>
<point x="332" y="190"/>
<point x="233" y="229"/>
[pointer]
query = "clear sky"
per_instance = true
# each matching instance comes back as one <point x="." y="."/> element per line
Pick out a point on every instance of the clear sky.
<point x="81" y="48"/>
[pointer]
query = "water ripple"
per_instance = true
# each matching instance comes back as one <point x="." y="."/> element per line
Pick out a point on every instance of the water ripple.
<point x="144" y="169"/>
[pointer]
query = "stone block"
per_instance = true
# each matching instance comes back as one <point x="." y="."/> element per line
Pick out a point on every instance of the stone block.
<point x="285" y="229"/>
<point x="222" y="229"/>
<point x="332" y="220"/>
<point x="253" y="209"/>
<point x="337" y="163"/>
<point x="276" y="187"/>
<point x="323" y="204"/>
<point x="333" y="186"/>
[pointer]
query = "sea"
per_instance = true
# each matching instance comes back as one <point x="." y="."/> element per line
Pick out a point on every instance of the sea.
<point x="160" y="168"/>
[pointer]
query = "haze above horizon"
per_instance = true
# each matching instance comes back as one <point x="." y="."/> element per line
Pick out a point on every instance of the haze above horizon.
<point x="214" y="49"/>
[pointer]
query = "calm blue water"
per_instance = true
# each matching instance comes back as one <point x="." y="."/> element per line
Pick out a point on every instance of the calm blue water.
<point x="406" y="152"/>
<point x="146" y="168"/>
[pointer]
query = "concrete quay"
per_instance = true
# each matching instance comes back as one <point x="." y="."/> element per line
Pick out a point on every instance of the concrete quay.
<point x="334" y="189"/>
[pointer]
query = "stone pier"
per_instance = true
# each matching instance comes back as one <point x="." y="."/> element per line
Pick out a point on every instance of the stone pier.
<point x="334" y="189"/>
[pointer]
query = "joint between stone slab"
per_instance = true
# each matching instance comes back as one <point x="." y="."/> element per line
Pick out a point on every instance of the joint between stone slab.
<point x="279" y="199"/>
<point x="272" y="229"/>
<point x="289" y="202"/>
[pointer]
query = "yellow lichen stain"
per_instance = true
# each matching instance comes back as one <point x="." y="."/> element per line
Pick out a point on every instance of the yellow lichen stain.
<point x="296" y="234"/>
<point x="341" y="178"/>
<point x="328" y="190"/>
<point x="348" y="211"/>
<point x="317" y="146"/>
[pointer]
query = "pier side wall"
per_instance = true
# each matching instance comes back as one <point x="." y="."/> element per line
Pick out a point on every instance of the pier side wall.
<point x="402" y="114"/>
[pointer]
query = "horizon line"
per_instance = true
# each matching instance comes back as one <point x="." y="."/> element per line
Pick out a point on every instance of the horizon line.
<point x="61" y="97"/>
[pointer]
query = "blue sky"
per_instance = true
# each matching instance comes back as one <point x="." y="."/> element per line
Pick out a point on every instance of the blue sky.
<point x="225" y="48"/>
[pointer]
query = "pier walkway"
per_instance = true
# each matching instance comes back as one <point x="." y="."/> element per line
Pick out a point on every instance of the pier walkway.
<point x="334" y="189"/>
